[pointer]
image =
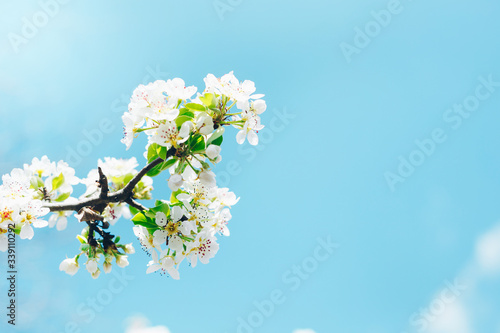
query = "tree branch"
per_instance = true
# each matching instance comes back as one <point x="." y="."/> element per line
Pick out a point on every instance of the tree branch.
<point x="123" y="195"/>
<point x="135" y="204"/>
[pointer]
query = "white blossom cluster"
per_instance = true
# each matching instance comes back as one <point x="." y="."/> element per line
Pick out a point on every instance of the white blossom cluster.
<point x="97" y="256"/>
<point x="158" y="110"/>
<point x="251" y="105"/>
<point x="185" y="228"/>
<point x="22" y="193"/>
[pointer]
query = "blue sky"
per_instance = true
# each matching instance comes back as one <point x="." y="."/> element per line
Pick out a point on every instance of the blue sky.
<point x="343" y="123"/>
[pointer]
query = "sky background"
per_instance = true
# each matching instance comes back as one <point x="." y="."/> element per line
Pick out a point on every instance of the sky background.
<point x="337" y="123"/>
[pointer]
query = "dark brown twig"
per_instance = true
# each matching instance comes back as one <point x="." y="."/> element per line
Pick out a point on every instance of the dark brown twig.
<point x="123" y="195"/>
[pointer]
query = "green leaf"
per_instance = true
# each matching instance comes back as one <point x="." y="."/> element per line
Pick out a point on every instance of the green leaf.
<point x="209" y="100"/>
<point x="57" y="182"/>
<point x="168" y="164"/>
<point x="186" y="112"/>
<point x="128" y="177"/>
<point x="153" y="152"/>
<point x="133" y="210"/>
<point x="217" y="141"/>
<point x="162" y="207"/>
<point x="197" y="143"/>
<point x="181" y="120"/>
<point x="156" y="170"/>
<point x="217" y="134"/>
<point x="196" y="107"/>
<point x="84" y="247"/>
<point x="163" y="153"/>
<point x="150" y="214"/>
<point x="141" y="219"/>
<point x="63" y="197"/>
<point x="81" y="239"/>
<point x="173" y="196"/>
<point x="117" y="239"/>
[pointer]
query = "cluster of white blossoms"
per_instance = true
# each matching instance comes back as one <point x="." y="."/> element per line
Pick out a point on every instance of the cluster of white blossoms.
<point x="185" y="227"/>
<point x="168" y="113"/>
<point x="251" y="105"/>
<point x="98" y="254"/>
<point x="22" y="194"/>
<point x="185" y="131"/>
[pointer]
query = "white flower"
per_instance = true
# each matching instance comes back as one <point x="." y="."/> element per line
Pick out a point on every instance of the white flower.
<point x="150" y="102"/>
<point x="17" y="185"/>
<point x="177" y="90"/>
<point x="204" y="123"/>
<point x="41" y="167"/>
<point x="144" y="237"/>
<point x="224" y="198"/>
<point x="59" y="220"/>
<point x="259" y="106"/>
<point x="229" y="86"/>
<point x="165" y="262"/>
<point x="175" y="182"/>
<point x="167" y="135"/>
<point x="221" y="220"/>
<point x="69" y="265"/>
<point x="213" y="151"/>
<point x="251" y="126"/>
<point x="30" y="216"/>
<point x="114" y="167"/>
<point x="131" y="124"/>
<point x="122" y="260"/>
<point x="114" y="211"/>
<point x="204" y="248"/>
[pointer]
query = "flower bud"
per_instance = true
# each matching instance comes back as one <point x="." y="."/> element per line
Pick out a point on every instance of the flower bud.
<point x="91" y="265"/>
<point x="207" y="178"/>
<point x="129" y="248"/>
<point x="96" y="274"/>
<point x="213" y="151"/>
<point x="107" y="267"/>
<point x="122" y="261"/>
<point x="175" y="182"/>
